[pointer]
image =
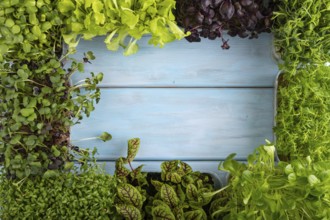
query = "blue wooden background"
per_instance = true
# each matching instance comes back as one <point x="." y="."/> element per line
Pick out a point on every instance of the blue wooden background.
<point x="188" y="101"/>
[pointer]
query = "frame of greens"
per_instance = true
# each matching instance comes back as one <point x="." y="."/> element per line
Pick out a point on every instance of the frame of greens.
<point x="38" y="104"/>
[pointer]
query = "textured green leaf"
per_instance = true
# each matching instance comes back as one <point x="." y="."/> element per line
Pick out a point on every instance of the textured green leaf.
<point x="133" y="148"/>
<point x="99" y="18"/>
<point x="168" y="166"/>
<point x="97" y="6"/>
<point x="195" y="215"/>
<point x="129" y="212"/>
<point x="174" y="177"/>
<point x="130" y="195"/>
<point x="65" y="6"/>
<point x="168" y="194"/>
<point x="157" y="184"/>
<point x="128" y="18"/>
<point x="162" y="213"/>
<point x="192" y="192"/>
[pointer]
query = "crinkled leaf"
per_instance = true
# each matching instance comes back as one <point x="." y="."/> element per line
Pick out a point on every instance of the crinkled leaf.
<point x="129" y="18"/>
<point x="129" y="212"/>
<point x="168" y="194"/>
<point x="195" y="215"/>
<point x="192" y="192"/>
<point x="174" y="177"/>
<point x="130" y="195"/>
<point x="157" y="184"/>
<point x="65" y="6"/>
<point x="162" y="213"/>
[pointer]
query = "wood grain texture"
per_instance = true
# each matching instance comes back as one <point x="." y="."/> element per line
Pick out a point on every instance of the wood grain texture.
<point x="180" y="123"/>
<point x="248" y="63"/>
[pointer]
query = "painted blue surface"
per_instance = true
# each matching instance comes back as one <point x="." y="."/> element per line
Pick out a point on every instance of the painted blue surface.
<point x="248" y="63"/>
<point x="185" y="101"/>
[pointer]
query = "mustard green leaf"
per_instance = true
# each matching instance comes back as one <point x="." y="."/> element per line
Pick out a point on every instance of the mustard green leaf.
<point x="65" y="6"/>
<point x="129" y="18"/>
<point x="99" y="18"/>
<point x="97" y="6"/>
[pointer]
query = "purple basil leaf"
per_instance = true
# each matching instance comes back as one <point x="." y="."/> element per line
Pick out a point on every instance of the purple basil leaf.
<point x="232" y="33"/>
<point x="208" y="20"/>
<point x="206" y="3"/>
<point x="243" y="34"/>
<point x="191" y="10"/>
<point x="200" y="18"/>
<point x="216" y="3"/>
<point x="211" y="13"/>
<point x="253" y="7"/>
<point x="252" y="23"/>
<point x="212" y="35"/>
<point x="204" y="33"/>
<point x="246" y="2"/>
<point x="215" y="27"/>
<point x="227" y="9"/>
<point x="259" y="15"/>
<point x="240" y="13"/>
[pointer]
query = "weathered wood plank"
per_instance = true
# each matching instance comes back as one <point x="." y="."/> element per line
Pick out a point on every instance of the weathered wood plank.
<point x="248" y="63"/>
<point x="187" y="124"/>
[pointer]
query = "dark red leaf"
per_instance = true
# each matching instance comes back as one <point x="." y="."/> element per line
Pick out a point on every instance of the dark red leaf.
<point x="227" y="9"/>
<point x="246" y="2"/>
<point x="200" y="18"/>
<point x="216" y="3"/>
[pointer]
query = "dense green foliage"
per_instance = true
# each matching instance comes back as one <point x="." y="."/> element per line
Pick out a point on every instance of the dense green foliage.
<point x="302" y="32"/>
<point x="87" y="194"/>
<point x="303" y="115"/>
<point x="178" y="193"/>
<point x="302" y="39"/>
<point x="29" y="30"/>
<point x="119" y="20"/>
<point x="259" y="189"/>
<point x="37" y="102"/>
